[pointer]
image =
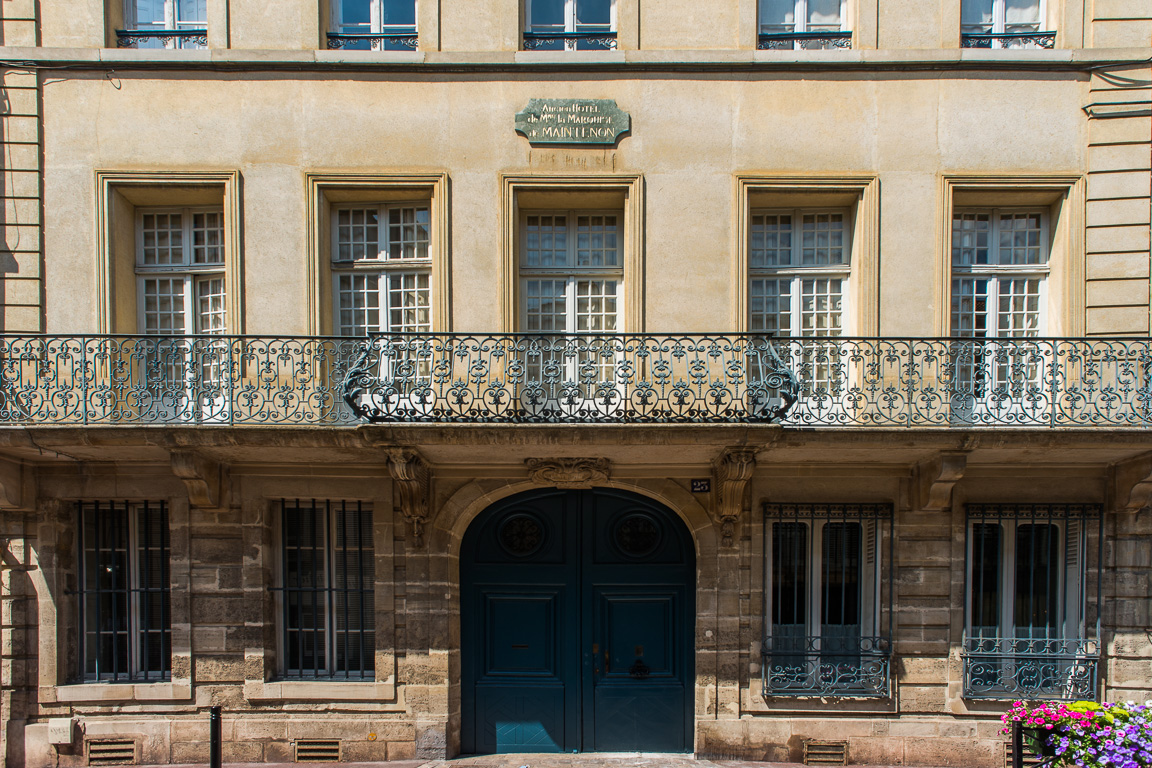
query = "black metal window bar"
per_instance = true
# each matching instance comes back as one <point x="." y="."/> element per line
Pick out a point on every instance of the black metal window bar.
<point x="406" y="40"/>
<point x="1028" y="631"/>
<point x="826" y="601"/>
<point x="124" y="593"/>
<point x="168" y="38"/>
<point x="1008" y="40"/>
<point x="327" y="590"/>
<point x="814" y="40"/>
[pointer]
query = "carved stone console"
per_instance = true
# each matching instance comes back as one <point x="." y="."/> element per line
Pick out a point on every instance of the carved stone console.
<point x="568" y="472"/>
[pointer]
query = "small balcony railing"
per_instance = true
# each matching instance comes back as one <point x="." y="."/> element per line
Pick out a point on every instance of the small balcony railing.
<point x="604" y="40"/>
<point x="1012" y="668"/>
<point x="167" y="38"/>
<point x="815" y="40"/>
<point x="522" y="378"/>
<point x="1008" y="40"/>
<point x="826" y="666"/>
<point x="374" y="41"/>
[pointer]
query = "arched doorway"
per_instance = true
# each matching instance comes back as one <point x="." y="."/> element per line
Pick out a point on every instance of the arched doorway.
<point x="577" y="619"/>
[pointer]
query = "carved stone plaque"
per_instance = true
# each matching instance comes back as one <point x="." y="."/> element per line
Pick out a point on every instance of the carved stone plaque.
<point x="572" y="121"/>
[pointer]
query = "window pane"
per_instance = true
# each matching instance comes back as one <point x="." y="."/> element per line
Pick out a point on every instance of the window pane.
<point x="192" y="12"/>
<point x="547" y="13"/>
<point x="789" y="586"/>
<point x="985" y="588"/>
<point x="824" y="14"/>
<point x="596" y="306"/>
<point x="597" y="241"/>
<point x="840" y="580"/>
<point x="304" y="581"/>
<point x="822" y="239"/>
<point x="974" y="12"/>
<point x="208" y="238"/>
<point x="1037" y="580"/>
<point x="1019" y="308"/>
<point x="353" y="601"/>
<point x="210" y="305"/>
<point x="776" y="13"/>
<point x="357" y="234"/>
<point x="164" y="311"/>
<point x="162" y="239"/>
<point x="358" y="304"/>
<point x="355" y="12"/>
<point x="546" y="241"/>
<point x="1025" y="12"/>
<point x="769" y="307"/>
<point x="597" y="12"/>
<point x="408" y="234"/>
<point x="771" y="241"/>
<point x="1019" y="240"/>
<point x="970" y="307"/>
<point x="545" y="305"/>
<point x="820" y="303"/>
<point x="148" y="13"/>
<point x="971" y="238"/>
<point x="399" y="13"/>
<point x="408" y="302"/>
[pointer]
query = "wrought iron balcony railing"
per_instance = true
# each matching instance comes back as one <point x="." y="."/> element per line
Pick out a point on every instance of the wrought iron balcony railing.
<point x="1008" y="40"/>
<point x="520" y="378"/>
<point x="817" y="40"/>
<point x="604" y="40"/>
<point x="376" y="41"/>
<point x="168" y="38"/>
<point x="826" y="666"/>
<point x="78" y="380"/>
<point x="1012" y="668"/>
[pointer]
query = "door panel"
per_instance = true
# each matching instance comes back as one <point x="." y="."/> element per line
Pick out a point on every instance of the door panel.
<point x="576" y="625"/>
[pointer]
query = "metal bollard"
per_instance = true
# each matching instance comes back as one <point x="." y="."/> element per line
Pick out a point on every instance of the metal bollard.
<point x="1017" y="745"/>
<point x="214" y="746"/>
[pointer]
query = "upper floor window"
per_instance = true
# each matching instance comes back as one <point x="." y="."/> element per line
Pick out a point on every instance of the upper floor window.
<point x="381" y="268"/>
<point x="804" y="24"/>
<point x="1027" y="633"/>
<point x="569" y="25"/>
<point x="164" y="24"/>
<point x="1004" y="24"/>
<point x="377" y="25"/>
<point x="180" y="271"/>
<point x="327" y="580"/>
<point x="124" y="588"/>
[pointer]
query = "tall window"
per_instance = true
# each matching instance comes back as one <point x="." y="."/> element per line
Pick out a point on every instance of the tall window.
<point x="1004" y="24"/>
<point x="125" y="614"/>
<point x="999" y="273"/>
<point x="558" y="25"/>
<point x="327" y="590"/>
<point x="786" y="24"/>
<point x="180" y="270"/>
<point x="164" y="24"/>
<point x="1026" y="634"/>
<point x="823" y="616"/>
<point x="799" y="268"/>
<point x="381" y="269"/>
<point x="377" y="25"/>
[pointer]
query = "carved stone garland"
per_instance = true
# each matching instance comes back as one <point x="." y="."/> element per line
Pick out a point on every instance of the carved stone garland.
<point x="413" y="481"/>
<point x="732" y="473"/>
<point x="568" y="472"/>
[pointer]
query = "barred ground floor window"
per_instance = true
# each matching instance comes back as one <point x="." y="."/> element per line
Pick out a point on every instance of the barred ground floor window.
<point x="827" y="630"/>
<point x="1032" y="627"/>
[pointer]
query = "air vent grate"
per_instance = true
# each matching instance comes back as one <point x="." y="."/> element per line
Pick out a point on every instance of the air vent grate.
<point x="825" y="752"/>
<point x="1030" y="759"/>
<point x="318" y="751"/>
<point x="111" y="752"/>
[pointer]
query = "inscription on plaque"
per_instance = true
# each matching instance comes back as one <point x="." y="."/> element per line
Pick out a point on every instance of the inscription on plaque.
<point x="572" y="121"/>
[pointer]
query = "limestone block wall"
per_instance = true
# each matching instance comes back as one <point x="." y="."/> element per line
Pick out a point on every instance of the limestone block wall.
<point x="1119" y="201"/>
<point x="21" y="256"/>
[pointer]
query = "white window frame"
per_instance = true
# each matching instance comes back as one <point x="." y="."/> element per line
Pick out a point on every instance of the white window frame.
<point x="376" y="25"/>
<point x="172" y="21"/>
<point x="571" y="23"/>
<point x="800" y="24"/>
<point x="191" y="273"/>
<point x="999" y="24"/>
<point x="329" y="509"/>
<point x="383" y="265"/>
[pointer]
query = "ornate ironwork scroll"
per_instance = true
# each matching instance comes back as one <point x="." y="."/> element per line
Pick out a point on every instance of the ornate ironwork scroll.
<point x="176" y="38"/>
<point x="1008" y="40"/>
<point x="534" y="41"/>
<point x="380" y="41"/>
<point x="1011" y="668"/>
<point x="787" y="41"/>
<point x="519" y="378"/>
<point x="826" y="666"/>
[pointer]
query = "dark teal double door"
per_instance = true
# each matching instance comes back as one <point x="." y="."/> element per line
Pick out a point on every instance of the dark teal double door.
<point x="577" y="621"/>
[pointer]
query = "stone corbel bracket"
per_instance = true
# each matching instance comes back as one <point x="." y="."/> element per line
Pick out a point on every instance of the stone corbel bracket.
<point x="568" y="472"/>
<point x="206" y="479"/>
<point x="939" y="476"/>
<point x="1133" y="484"/>
<point x="732" y="475"/>
<point x="414" y="487"/>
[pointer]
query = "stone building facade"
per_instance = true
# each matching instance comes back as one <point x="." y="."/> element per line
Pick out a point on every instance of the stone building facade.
<point x="812" y="405"/>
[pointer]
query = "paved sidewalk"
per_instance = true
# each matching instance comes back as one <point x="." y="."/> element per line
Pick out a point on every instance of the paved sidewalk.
<point x="550" y="760"/>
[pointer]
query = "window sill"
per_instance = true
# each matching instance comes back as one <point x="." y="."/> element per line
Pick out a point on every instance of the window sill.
<point x="570" y="57"/>
<point x="179" y="690"/>
<point x="319" y="690"/>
